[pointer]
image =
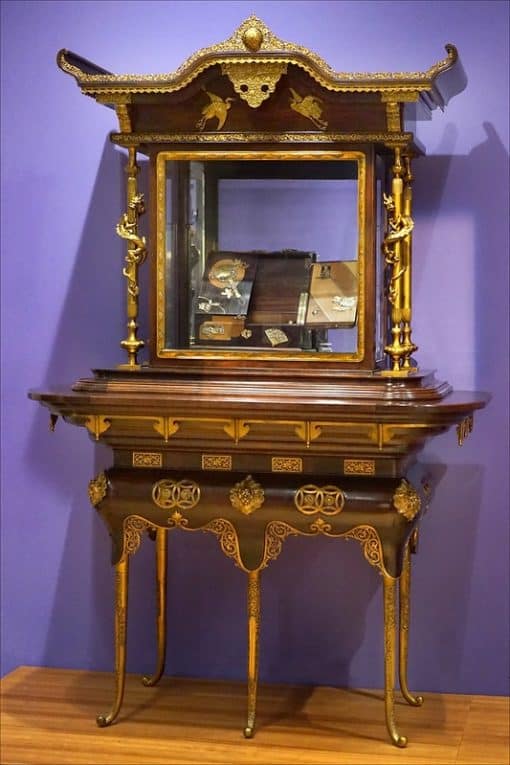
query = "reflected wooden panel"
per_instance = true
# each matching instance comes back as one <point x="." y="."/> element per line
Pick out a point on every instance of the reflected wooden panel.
<point x="48" y="717"/>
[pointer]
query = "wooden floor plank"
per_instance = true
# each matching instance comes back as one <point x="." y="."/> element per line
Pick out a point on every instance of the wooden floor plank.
<point x="487" y="735"/>
<point x="48" y="718"/>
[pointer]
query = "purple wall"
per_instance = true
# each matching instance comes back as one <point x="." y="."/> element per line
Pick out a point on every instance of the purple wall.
<point x="62" y="313"/>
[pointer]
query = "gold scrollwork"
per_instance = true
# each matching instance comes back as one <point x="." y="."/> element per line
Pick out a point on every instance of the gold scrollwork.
<point x="254" y="81"/>
<point x="275" y="535"/>
<point x="216" y="462"/>
<point x="178" y="520"/>
<point x="227" y="538"/>
<point x="247" y="496"/>
<point x="220" y="527"/>
<point x="97" y="489"/>
<point x="320" y="526"/>
<point x="147" y="459"/>
<point x="286" y="465"/>
<point x="266" y="137"/>
<point x="359" y="467"/>
<point x="176" y="495"/>
<point x="407" y="500"/>
<point x="134" y="526"/>
<point x="311" y="499"/>
<point x="367" y="536"/>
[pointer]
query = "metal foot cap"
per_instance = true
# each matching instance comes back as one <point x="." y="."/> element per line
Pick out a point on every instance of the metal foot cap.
<point x="102" y="721"/>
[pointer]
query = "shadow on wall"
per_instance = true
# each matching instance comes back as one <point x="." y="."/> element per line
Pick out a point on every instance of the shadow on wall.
<point x="319" y="592"/>
<point x="490" y="163"/>
<point x="479" y="183"/>
<point x="89" y="330"/>
<point x="310" y="624"/>
<point x="442" y="574"/>
<point x="92" y="320"/>
<point x="455" y="537"/>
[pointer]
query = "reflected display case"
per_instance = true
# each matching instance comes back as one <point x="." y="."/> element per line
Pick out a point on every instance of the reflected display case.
<point x="278" y="391"/>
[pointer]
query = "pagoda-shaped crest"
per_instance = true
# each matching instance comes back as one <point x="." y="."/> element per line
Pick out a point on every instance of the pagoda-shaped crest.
<point x="254" y="59"/>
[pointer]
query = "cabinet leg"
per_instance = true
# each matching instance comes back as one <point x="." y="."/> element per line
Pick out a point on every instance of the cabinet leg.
<point x="161" y="590"/>
<point x="389" y="588"/>
<point x="404" y="603"/>
<point x="121" y="602"/>
<point x="253" y="648"/>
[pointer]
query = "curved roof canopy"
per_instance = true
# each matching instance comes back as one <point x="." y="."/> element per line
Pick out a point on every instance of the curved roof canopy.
<point x="254" y="45"/>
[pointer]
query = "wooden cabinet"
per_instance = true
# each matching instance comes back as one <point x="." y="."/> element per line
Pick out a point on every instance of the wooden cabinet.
<point x="282" y="394"/>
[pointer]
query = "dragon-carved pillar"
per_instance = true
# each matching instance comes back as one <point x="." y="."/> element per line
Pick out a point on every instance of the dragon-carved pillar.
<point x="127" y="228"/>
<point x="397" y="253"/>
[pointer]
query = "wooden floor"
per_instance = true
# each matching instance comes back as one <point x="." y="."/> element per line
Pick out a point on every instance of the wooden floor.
<point x="48" y="717"/>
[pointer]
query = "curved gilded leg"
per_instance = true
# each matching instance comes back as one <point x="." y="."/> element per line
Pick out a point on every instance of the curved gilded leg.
<point x="161" y="590"/>
<point x="404" y="600"/>
<point x="121" y="602"/>
<point x="253" y="648"/>
<point x="389" y="588"/>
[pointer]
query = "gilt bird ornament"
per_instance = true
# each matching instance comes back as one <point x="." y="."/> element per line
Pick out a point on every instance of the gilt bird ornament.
<point x="217" y="108"/>
<point x="309" y="107"/>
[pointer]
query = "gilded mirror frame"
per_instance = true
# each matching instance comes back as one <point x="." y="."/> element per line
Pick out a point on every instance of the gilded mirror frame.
<point x="162" y="352"/>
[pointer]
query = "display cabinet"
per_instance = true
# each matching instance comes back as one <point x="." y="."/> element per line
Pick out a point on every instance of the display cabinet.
<point x="281" y="393"/>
